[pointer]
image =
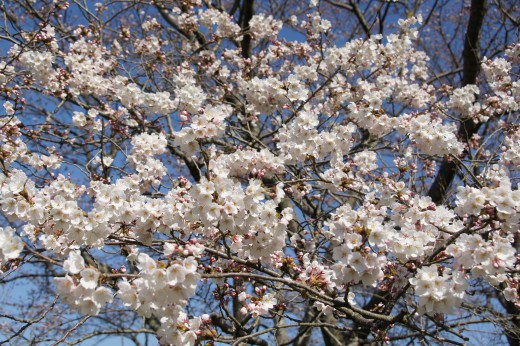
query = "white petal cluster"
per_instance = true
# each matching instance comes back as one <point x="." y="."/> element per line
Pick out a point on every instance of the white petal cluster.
<point x="312" y="171"/>
<point x="189" y="95"/>
<point x="439" y="293"/>
<point x="296" y="89"/>
<point x="300" y="139"/>
<point x="6" y="72"/>
<point x="463" y="101"/>
<point x="81" y="290"/>
<point x="264" y="95"/>
<point x="243" y="162"/>
<point x="501" y="197"/>
<point x="488" y="258"/>
<point x="257" y="307"/>
<point x="88" y="63"/>
<point x="209" y="122"/>
<point x="75" y="263"/>
<point x="178" y="328"/>
<point x="408" y="231"/>
<point x="353" y="265"/>
<point x="131" y="96"/>
<point x="40" y="65"/>
<point x="11" y="245"/>
<point x="365" y="161"/>
<point x="145" y="146"/>
<point x="13" y="147"/>
<point x="511" y="155"/>
<point x="164" y="292"/>
<point x="149" y="144"/>
<point x="258" y="228"/>
<point x="498" y="74"/>
<point x="224" y="24"/>
<point x="148" y="46"/>
<point x="317" y="275"/>
<point x="262" y="26"/>
<point x="150" y="25"/>
<point x="431" y="136"/>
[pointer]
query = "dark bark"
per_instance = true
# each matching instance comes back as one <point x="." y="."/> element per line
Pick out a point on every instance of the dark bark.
<point x="304" y="332"/>
<point x="448" y="169"/>
<point x="471" y="69"/>
<point x="513" y="331"/>
<point x="170" y="19"/>
<point x="246" y="13"/>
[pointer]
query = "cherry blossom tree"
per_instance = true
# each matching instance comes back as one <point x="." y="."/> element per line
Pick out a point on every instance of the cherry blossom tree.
<point x="198" y="172"/>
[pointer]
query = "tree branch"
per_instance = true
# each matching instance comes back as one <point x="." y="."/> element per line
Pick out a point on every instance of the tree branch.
<point x="470" y="70"/>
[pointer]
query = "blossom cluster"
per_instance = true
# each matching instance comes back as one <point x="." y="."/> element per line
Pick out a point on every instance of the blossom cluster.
<point x="206" y="124"/>
<point x="81" y="289"/>
<point x="439" y="293"/>
<point x="11" y="244"/>
<point x="257" y="305"/>
<point x="163" y="292"/>
<point x="295" y="152"/>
